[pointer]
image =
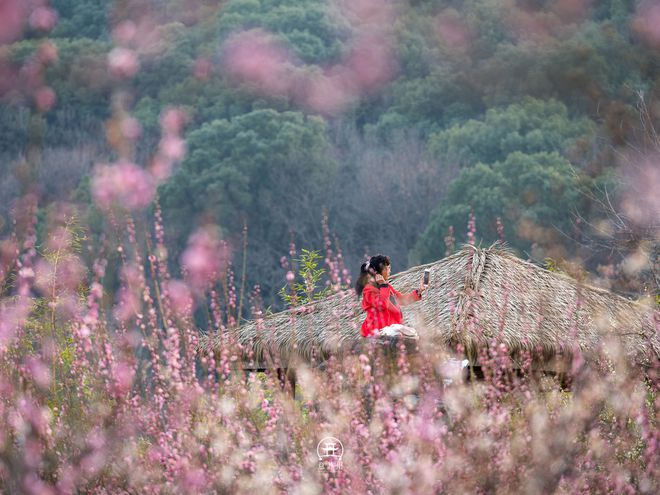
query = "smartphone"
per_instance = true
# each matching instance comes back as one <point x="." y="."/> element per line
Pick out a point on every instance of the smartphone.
<point x="427" y="277"/>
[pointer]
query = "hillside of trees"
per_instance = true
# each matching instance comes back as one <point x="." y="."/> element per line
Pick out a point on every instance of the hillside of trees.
<point x="396" y="121"/>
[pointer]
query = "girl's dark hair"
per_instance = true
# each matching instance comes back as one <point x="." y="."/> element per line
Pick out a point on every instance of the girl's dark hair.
<point x="376" y="264"/>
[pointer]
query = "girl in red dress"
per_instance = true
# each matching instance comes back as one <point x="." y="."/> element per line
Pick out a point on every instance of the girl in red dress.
<point x="381" y="301"/>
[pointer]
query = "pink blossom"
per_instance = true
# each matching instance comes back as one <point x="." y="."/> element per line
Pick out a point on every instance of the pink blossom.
<point x="256" y="57"/>
<point x="8" y="255"/>
<point x="647" y="22"/>
<point x="471" y="229"/>
<point x="205" y="257"/>
<point x="161" y="169"/>
<point x="59" y="238"/>
<point x="124" y="32"/>
<point x="12" y="19"/>
<point x="65" y="275"/>
<point x="13" y="315"/>
<point x="180" y="297"/>
<point x="131" y="128"/>
<point x="123" y="63"/>
<point x="123" y="185"/>
<point x="131" y="274"/>
<point x="194" y="480"/>
<point x="173" y="148"/>
<point x="290" y="277"/>
<point x="93" y="462"/>
<point x="43" y="18"/>
<point x="123" y="377"/>
<point x="371" y="61"/>
<point x="47" y="53"/>
<point x="33" y="485"/>
<point x="44" y="99"/>
<point x="203" y="69"/>
<point x="37" y="417"/>
<point x="128" y="305"/>
<point x="39" y="372"/>
<point x="172" y="120"/>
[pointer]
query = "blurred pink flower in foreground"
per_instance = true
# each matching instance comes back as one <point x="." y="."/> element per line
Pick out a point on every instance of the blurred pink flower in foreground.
<point x="44" y="98"/>
<point x="43" y="18"/>
<point x="64" y="275"/>
<point x="124" y="32"/>
<point x="647" y="22"/>
<point x="371" y="61"/>
<point x="47" y="52"/>
<point x="39" y="371"/>
<point x="130" y="128"/>
<point x="8" y="255"/>
<point x="172" y="121"/>
<point x="123" y="374"/>
<point x="123" y="63"/>
<point x="179" y="296"/>
<point x="257" y="59"/>
<point x="12" y="19"/>
<point x="204" y="258"/>
<point x="128" y="305"/>
<point x="161" y="169"/>
<point x="172" y="147"/>
<point x="202" y="69"/>
<point x="13" y="315"/>
<point x="125" y="185"/>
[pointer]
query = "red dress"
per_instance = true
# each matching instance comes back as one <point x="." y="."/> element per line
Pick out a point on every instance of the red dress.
<point x="382" y="306"/>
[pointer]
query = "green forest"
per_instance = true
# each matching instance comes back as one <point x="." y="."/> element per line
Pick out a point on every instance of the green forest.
<point x="411" y="127"/>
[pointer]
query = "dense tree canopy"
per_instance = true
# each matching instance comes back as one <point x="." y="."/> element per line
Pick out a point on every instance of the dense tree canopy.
<point x="88" y="19"/>
<point x="253" y="169"/>
<point x="532" y="126"/>
<point x="528" y="192"/>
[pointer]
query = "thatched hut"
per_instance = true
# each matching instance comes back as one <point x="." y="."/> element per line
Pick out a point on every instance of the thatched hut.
<point x="476" y="295"/>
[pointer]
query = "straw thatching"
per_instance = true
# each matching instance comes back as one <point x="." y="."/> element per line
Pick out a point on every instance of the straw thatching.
<point x="476" y="295"/>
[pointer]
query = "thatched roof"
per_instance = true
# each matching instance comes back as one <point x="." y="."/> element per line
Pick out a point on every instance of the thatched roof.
<point x="475" y="295"/>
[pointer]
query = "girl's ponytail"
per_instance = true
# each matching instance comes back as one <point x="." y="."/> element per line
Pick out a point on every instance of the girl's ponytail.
<point x="362" y="278"/>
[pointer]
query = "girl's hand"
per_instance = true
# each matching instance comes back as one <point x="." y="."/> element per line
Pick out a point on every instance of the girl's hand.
<point x="422" y="286"/>
<point x="379" y="279"/>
